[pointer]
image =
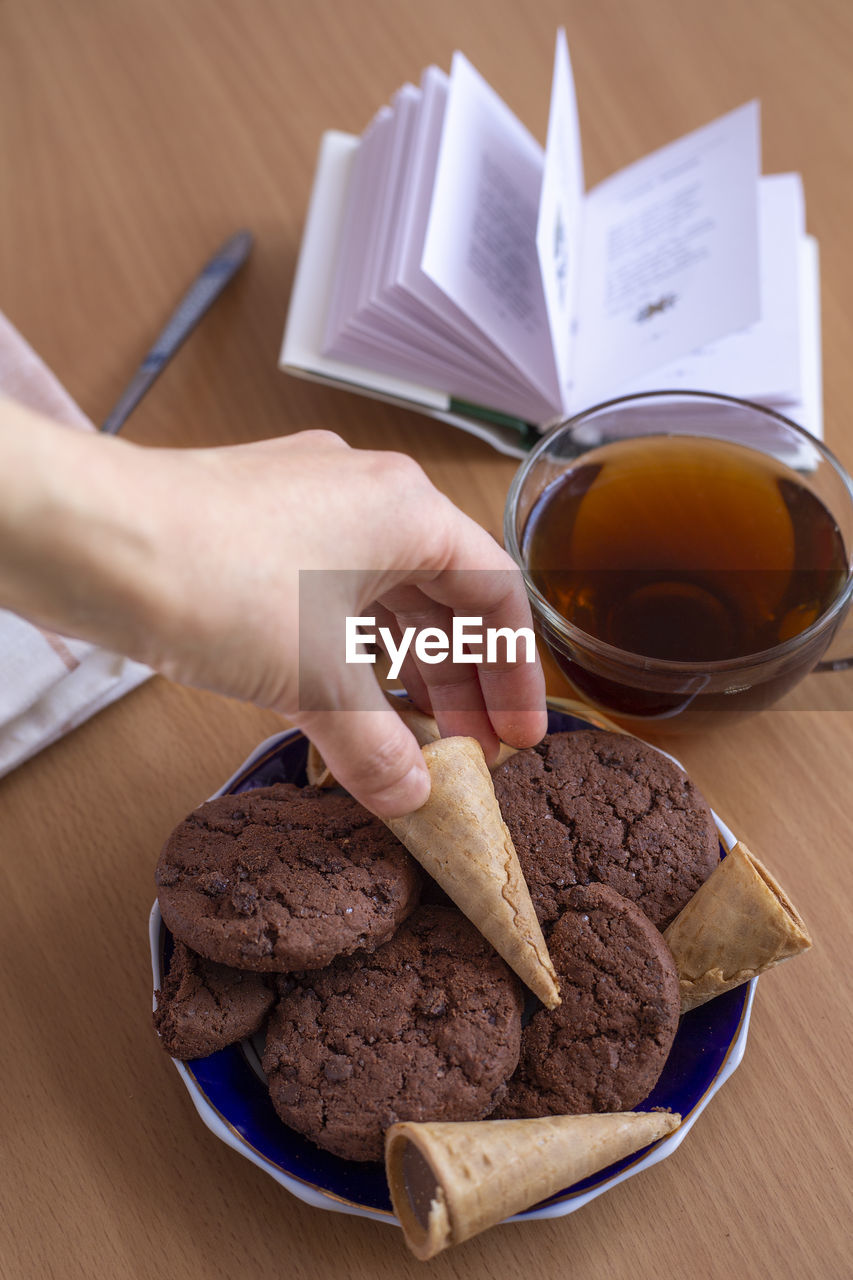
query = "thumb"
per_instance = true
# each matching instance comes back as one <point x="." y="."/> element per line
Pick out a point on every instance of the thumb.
<point x="373" y="755"/>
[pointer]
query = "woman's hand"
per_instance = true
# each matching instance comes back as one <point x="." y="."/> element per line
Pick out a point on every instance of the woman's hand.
<point x="234" y="569"/>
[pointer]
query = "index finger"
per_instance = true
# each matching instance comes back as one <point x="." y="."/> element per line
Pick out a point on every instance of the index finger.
<point x="481" y="581"/>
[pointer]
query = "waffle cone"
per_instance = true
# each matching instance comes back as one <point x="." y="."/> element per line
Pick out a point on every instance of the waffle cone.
<point x="319" y="774"/>
<point x="424" y="727"/>
<point x="739" y="923"/>
<point x="450" y="1181"/>
<point x="460" y="838"/>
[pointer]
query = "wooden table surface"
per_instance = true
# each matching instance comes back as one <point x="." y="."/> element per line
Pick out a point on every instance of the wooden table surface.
<point x="134" y="136"/>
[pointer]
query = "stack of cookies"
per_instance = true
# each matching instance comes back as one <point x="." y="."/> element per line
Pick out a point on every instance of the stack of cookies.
<point x="542" y="985"/>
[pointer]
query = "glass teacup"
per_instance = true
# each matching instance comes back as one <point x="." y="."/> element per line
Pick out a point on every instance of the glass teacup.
<point x="684" y="554"/>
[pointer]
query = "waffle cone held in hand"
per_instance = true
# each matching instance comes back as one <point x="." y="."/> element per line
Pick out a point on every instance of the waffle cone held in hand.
<point x="448" y="1182"/>
<point x="739" y="923"/>
<point x="460" y="838"/>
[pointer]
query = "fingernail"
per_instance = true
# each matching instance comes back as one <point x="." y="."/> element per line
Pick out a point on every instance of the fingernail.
<point x="404" y="796"/>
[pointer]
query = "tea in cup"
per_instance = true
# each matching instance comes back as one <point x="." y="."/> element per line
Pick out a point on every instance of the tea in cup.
<point x="684" y="553"/>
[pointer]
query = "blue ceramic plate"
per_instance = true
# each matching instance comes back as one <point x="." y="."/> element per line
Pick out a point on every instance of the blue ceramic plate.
<point x="230" y="1095"/>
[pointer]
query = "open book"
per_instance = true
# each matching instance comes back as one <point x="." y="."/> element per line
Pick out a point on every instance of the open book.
<point x="450" y="264"/>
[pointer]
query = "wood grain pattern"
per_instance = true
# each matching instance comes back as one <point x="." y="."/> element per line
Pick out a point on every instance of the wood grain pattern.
<point x="134" y="136"/>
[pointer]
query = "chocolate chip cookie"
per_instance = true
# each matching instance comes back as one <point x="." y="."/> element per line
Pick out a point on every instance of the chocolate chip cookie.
<point x="598" y="807"/>
<point x="284" y="878"/>
<point x="604" y="1046"/>
<point x="204" y="1006"/>
<point x="426" y="1027"/>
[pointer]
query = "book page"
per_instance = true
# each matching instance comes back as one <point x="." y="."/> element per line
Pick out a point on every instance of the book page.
<point x="493" y="380"/>
<point x="558" y="230"/>
<point x="359" y="215"/>
<point x="480" y="246"/>
<point x="387" y="193"/>
<point x="670" y="255"/>
<point x="391" y="330"/>
<point x="417" y="192"/>
<point x="808" y="411"/>
<point x="302" y="348"/>
<point x="411" y="303"/>
<point x="763" y="361"/>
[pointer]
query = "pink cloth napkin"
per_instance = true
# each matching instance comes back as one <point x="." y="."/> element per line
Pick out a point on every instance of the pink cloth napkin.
<point x="48" y="683"/>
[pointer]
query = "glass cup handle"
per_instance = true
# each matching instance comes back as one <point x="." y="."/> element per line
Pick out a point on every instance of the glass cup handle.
<point x="841" y="641"/>
<point x="833" y="664"/>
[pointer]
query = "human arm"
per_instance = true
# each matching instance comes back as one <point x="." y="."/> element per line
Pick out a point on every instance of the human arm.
<point x="190" y="560"/>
